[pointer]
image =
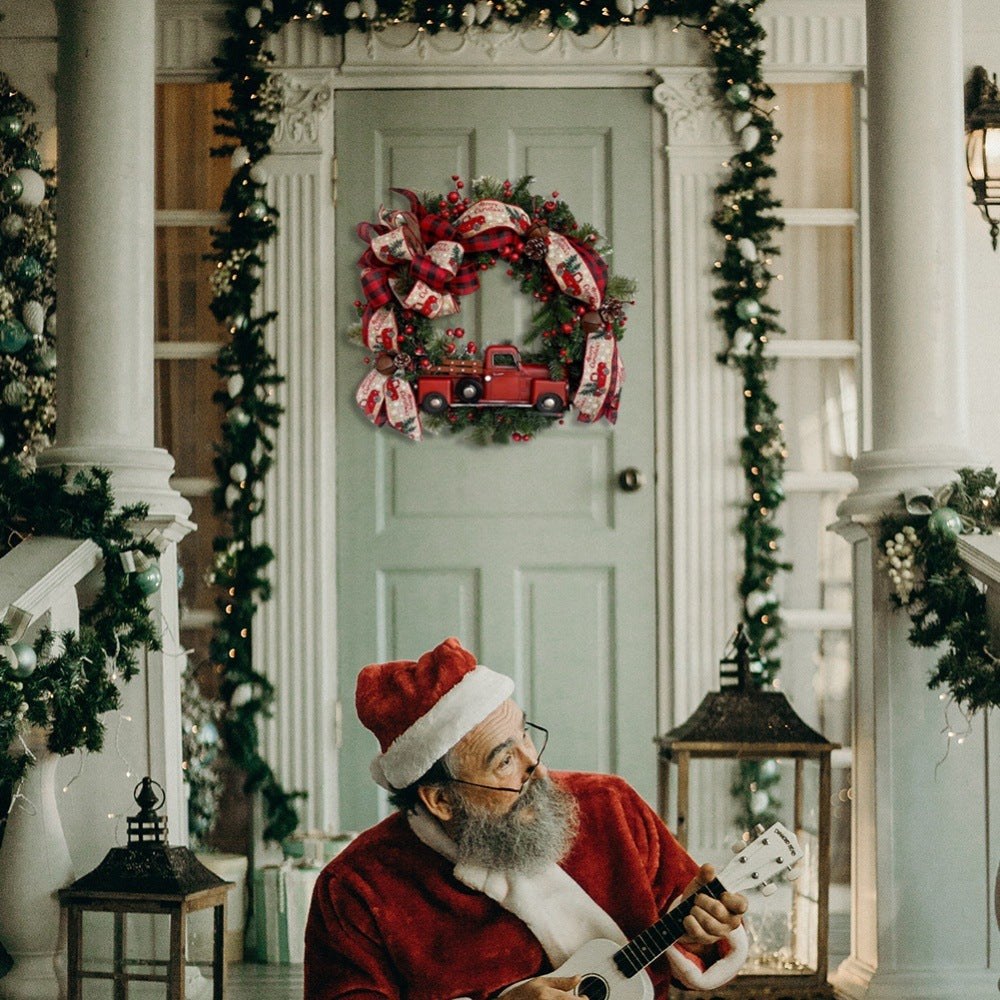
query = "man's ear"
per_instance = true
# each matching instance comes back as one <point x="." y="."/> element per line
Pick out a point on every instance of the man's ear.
<point x="436" y="801"/>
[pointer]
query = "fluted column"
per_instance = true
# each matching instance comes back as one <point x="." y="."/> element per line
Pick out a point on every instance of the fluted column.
<point x="105" y="399"/>
<point x="920" y="920"/>
<point x="105" y="95"/>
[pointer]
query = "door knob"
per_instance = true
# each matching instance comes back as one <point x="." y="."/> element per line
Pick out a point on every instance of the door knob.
<point x="631" y="479"/>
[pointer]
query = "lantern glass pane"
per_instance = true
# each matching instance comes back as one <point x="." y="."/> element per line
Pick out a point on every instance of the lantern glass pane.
<point x="783" y="927"/>
<point x="974" y="154"/>
<point x="992" y="148"/>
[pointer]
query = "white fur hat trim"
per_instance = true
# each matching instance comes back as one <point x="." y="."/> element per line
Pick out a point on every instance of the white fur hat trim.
<point x="457" y="711"/>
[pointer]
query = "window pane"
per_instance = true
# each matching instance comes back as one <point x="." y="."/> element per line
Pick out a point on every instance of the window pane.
<point x="814" y="158"/>
<point x="187" y="177"/>
<point x="187" y="421"/>
<point x="818" y="403"/>
<point x="816" y="293"/>
<point x="183" y="291"/>
<point x="821" y="560"/>
<point x="196" y="558"/>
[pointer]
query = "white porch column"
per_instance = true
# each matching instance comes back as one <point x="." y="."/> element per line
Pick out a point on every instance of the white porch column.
<point x="105" y="108"/>
<point x="921" y="920"/>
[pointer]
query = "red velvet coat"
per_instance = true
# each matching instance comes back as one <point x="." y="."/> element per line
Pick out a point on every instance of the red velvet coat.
<point x="389" y="919"/>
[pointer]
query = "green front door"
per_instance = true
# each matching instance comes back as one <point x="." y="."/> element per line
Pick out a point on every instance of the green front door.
<point x="530" y="553"/>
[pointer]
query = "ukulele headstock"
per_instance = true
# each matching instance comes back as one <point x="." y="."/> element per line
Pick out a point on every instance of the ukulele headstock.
<point x="774" y="851"/>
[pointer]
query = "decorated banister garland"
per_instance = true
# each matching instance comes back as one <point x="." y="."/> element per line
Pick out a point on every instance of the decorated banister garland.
<point x="745" y="218"/>
<point x="919" y="554"/>
<point x="66" y="682"/>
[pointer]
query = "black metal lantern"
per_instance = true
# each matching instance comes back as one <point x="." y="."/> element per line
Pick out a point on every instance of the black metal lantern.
<point x="739" y="724"/>
<point x="982" y="145"/>
<point x="146" y="876"/>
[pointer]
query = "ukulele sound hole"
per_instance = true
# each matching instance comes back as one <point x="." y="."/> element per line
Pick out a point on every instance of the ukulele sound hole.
<point x="593" y="987"/>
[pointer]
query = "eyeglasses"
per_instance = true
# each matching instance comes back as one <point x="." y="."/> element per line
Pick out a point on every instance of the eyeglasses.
<point x="530" y="772"/>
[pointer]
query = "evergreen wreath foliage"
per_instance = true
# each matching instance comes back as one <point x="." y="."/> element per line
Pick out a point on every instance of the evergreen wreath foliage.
<point x="946" y="606"/>
<point x="77" y="677"/>
<point x="745" y="218"/>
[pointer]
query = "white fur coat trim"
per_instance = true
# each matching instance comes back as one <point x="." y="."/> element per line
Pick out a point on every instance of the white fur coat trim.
<point x="561" y="915"/>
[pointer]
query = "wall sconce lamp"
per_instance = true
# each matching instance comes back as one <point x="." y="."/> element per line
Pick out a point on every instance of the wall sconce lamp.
<point x="982" y="145"/>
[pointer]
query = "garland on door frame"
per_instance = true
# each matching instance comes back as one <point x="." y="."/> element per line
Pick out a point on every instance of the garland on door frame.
<point x="744" y="218"/>
<point x="67" y="681"/>
<point x="421" y="260"/>
<point x="919" y="554"/>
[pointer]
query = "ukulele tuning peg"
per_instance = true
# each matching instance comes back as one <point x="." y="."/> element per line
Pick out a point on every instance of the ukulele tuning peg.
<point x="758" y="829"/>
<point x="737" y="846"/>
<point x="768" y="889"/>
<point x="792" y="874"/>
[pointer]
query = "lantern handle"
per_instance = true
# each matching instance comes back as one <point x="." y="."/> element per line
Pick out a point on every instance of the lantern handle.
<point x="146" y="798"/>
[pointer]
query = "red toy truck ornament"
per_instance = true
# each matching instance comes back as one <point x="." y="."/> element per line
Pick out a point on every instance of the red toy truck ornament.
<point x="500" y="379"/>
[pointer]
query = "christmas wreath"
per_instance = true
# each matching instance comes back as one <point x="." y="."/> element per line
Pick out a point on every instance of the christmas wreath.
<point x="421" y="260"/>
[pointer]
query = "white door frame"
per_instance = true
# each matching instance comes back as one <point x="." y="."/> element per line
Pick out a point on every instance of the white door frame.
<point x="696" y="402"/>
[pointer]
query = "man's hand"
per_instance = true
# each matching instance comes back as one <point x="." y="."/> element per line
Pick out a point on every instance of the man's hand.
<point x="710" y="919"/>
<point x="543" y="988"/>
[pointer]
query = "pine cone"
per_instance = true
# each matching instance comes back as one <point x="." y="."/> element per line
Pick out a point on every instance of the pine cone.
<point x="535" y="248"/>
<point x="612" y="310"/>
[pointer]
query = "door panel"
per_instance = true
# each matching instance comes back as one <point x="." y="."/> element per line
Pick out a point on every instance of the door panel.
<point x="528" y="553"/>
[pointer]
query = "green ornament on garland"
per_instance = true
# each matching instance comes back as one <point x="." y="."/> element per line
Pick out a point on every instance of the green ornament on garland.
<point x="26" y="659"/>
<point x="257" y="210"/>
<point x="27" y="269"/>
<point x="238" y="417"/>
<point x="13" y="336"/>
<point x="739" y="94"/>
<point x="149" y="579"/>
<point x="3" y="440"/>
<point x="12" y="187"/>
<point x="568" y="19"/>
<point x="945" y="521"/>
<point x="748" y="309"/>
<point x="11" y="126"/>
<point x="12" y="226"/>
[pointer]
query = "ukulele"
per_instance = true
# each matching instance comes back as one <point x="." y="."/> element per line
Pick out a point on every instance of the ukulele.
<point x="611" y="972"/>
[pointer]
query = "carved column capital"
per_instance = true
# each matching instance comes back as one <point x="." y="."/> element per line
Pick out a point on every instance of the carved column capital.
<point x="687" y="100"/>
<point x="303" y="104"/>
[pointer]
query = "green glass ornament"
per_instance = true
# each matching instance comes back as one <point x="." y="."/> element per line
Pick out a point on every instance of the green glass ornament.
<point x="239" y="417"/>
<point x="568" y="19"/>
<point x="945" y="521"/>
<point x="27" y="269"/>
<point x="149" y="579"/>
<point x="3" y="440"/>
<point x="26" y="659"/>
<point x="13" y="336"/>
<point x="11" y="126"/>
<point x="257" y="210"/>
<point x="747" y="309"/>
<point x="12" y="187"/>
<point x="738" y="94"/>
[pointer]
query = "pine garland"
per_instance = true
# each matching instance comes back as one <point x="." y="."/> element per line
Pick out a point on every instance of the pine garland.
<point x="946" y="607"/>
<point x="77" y="677"/>
<point x="27" y="291"/>
<point x="745" y="219"/>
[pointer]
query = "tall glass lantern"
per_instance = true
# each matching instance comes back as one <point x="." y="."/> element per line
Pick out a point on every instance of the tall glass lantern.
<point x="734" y="726"/>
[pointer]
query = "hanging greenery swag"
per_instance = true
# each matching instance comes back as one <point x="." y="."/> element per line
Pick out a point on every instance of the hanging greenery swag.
<point x="67" y="681"/>
<point x="745" y="219"/>
<point x="919" y="554"/>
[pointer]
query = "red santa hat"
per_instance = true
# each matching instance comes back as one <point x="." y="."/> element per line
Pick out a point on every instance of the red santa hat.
<point x="419" y="709"/>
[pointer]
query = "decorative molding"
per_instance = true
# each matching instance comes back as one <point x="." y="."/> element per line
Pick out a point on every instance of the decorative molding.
<point x="304" y="103"/>
<point x="687" y="101"/>
<point x="814" y="34"/>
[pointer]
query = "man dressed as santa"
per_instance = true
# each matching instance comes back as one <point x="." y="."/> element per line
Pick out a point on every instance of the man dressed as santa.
<point x="494" y="871"/>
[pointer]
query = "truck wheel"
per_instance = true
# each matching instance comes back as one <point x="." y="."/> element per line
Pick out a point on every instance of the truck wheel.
<point x="549" y="402"/>
<point x="434" y="402"/>
<point x="469" y="390"/>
